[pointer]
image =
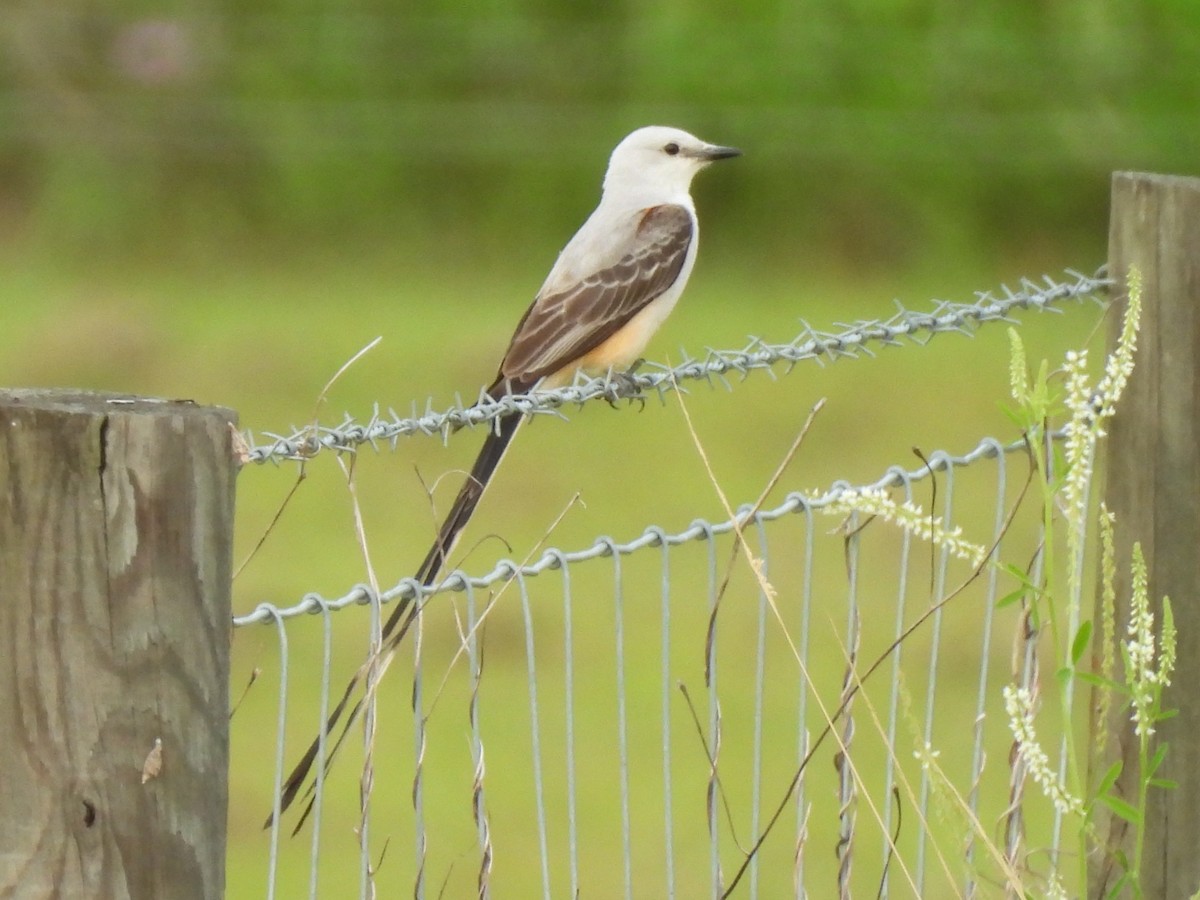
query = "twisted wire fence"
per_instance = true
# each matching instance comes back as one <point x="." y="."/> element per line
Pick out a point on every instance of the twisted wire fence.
<point x="781" y="701"/>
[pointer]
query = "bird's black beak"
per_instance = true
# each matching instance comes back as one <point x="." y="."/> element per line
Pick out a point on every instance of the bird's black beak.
<point x="712" y="152"/>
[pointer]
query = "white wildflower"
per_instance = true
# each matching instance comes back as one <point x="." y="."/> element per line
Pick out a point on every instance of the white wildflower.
<point x="1018" y="376"/>
<point x="1054" y="888"/>
<point x="910" y="517"/>
<point x="1120" y="364"/>
<point x="926" y="755"/>
<point x="1166" y="657"/>
<point x="1018" y="704"/>
<point x="1088" y="409"/>
<point x="1139" y="650"/>
<point x="1108" y="623"/>
<point x="1081" y="434"/>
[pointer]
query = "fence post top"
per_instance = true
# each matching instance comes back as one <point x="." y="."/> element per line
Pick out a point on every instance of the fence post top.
<point x="77" y="400"/>
<point x="1157" y="178"/>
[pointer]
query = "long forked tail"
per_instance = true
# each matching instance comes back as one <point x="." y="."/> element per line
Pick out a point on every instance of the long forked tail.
<point x="490" y="454"/>
<point x="402" y="616"/>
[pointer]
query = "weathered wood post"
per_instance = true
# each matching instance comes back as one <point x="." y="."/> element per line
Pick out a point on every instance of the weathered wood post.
<point x="1153" y="486"/>
<point x="116" y="525"/>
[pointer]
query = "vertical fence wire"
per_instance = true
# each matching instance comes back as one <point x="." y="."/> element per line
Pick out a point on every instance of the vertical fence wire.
<point x="569" y="712"/>
<point x="668" y="804"/>
<point x="847" y="788"/>
<point x="937" y="462"/>
<point x="712" y="787"/>
<point x="273" y="857"/>
<point x="760" y="671"/>
<point x="419" y="743"/>
<point x="319" y="786"/>
<point x="802" y="735"/>
<point x="535" y="732"/>
<point x="889" y="765"/>
<point x="478" y="800"/>
<point x="978" y="753"/>
<point x="366" y="888"/>
<point x="622" y="715"/>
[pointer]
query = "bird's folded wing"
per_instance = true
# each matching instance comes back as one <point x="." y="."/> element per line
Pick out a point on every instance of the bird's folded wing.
<point x="565" y="323"/>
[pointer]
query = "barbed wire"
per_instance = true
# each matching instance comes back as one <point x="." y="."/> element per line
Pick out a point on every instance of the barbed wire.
<point x="854" y="339"/>
<point x="653" y="536"/>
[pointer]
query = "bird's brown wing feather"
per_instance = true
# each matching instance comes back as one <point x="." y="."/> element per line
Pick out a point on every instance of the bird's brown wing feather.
<point x="564" y="326"/>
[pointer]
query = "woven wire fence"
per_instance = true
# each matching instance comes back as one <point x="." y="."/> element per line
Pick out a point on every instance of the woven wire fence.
<point x="768" y="704"/>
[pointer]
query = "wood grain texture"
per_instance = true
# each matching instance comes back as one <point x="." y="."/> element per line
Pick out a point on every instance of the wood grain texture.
<point x="116" y="520"/>
<point x="1153" y="486"/>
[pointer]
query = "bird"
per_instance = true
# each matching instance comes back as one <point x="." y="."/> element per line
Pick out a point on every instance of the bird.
<point x="609" y="290"/>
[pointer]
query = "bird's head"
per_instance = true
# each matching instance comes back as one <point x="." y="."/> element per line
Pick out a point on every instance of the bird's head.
<point x="660" y="160"/>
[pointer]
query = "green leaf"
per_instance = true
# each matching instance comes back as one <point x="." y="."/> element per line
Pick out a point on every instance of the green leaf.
<point x="1118" y="890"/>
<point x="1010" y="599"/>
<point x="1121" y="808"/>
<point x="1060" y="459"/>
<point x="1110" y="777"/>
<point x="1155" y="761"/>
<point x="1018" y="573"/>
<point x="1016" y="415"/>
<point x="1164" y="783"/>
<point x="1082" y="638"/>
<point x="1101" y="682"/>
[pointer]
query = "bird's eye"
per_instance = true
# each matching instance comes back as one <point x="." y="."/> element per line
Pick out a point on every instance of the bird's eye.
<point x="672" y="149"/>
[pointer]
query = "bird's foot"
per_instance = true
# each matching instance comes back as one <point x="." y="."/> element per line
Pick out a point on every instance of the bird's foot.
<point x="622" y="386"/>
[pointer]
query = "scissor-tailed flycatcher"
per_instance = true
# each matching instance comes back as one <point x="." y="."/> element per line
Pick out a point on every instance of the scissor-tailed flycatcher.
<point x="610" y="289"/>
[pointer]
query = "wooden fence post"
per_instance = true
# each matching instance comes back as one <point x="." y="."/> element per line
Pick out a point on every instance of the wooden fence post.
<point x="116" y="523"/>
<point x="1153" y="487"/>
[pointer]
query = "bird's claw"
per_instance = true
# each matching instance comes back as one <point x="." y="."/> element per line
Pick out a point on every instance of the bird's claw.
<point x="622" y="386"/>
